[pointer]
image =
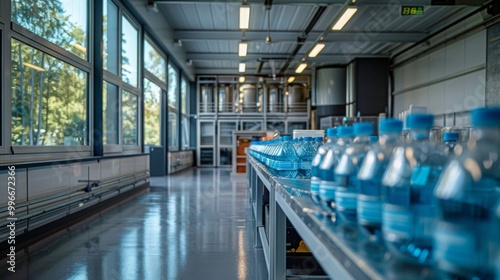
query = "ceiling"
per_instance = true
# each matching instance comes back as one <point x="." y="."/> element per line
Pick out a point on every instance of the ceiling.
<point x="208" y="32"/>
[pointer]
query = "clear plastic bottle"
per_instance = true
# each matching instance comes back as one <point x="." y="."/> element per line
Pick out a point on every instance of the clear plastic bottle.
<point x="318" y="141"/>
<point x="286" y="163"/>
<point x="347" y="169"/>
<point x="331" y="134"/>
<point x="305" y="153"/>
<point x="369" y="200"/>
<point x="467" y="196"/>
<point x="450" y="140"/>
<point x="326" y="169"/>
<point x="408" y="211"/>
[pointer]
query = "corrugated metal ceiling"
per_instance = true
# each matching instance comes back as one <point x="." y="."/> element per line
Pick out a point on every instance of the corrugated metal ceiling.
<point x="210" y="34"/>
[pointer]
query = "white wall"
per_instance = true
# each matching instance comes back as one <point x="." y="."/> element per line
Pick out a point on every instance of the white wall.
<point x="449" y="80"/>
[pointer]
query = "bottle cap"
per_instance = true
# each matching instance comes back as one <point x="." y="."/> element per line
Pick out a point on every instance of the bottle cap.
<point x="345" y="131"/>
<point x="331" y="132"/>
<point x="420" y="121"/>
<point x="391" y="126"/>
<point x="451" y="136"/>
<point x="488" y="117"/>
<point x="363" y="129"/>
<point x="286" y="138"/>
<point x="318" y="139"/>
<point x="307" y="138"/>
<point x="373" y="139"/>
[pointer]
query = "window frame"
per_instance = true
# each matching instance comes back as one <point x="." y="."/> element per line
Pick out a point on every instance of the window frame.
<point x="29" y="38"/>
<point x="5" y="83"/>
<point x="148" y="74"/>
<point x="117" y="80"/>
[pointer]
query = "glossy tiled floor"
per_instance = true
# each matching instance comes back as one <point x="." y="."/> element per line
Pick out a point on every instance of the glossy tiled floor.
<point x="193" y="225"/>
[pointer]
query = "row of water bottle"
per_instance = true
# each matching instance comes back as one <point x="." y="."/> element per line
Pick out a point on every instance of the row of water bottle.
<point x="287" y="157"/>
<point x="428" y="203"/>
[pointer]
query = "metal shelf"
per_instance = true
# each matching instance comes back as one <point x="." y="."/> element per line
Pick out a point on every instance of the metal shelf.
<point x="337" y="248"/>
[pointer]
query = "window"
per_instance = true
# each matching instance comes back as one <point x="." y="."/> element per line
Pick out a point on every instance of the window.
<point x="49" y="99"/>
<point x="173" y="135"/>
<point x="154" y="62"/>
<point x="185" y="132"/>
<point x="62" y="22"/>
<point x="110" y="114"/>
<point x="173" y="78"/>
<point x="110" y="37"/>
<point x="130" y="39"/>
<point x="130" y="118"/>
<point x="152" y="113"/>
<point x="184" y="94"/>
<point x="184" y="112"/>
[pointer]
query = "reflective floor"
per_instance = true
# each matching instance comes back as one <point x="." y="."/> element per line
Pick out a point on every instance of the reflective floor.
<point x="193" y="225"/>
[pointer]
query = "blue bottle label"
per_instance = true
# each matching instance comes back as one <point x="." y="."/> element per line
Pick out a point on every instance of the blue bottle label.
<point x="458" y="247"/>
<point x="315" y="181"/>
<point x="369" y="210"/>
<point x="397" y="222"/>
<point x="345" y="199"/>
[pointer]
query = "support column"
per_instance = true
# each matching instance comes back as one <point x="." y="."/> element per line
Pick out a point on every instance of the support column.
<point x="493" y="66"/>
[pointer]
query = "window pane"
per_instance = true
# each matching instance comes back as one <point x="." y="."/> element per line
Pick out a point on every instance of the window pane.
<point x="130" y="39"/>
<point x="49" y="99"/>
<point x="110" y="114"/>
<point x="62" y="22"/>
<point x="184" y="94"/>
<point x="129" y="118"/>
<point x="152" y="113"/>
<point x="110" y="36"/>
<point x="173" y="78"/>
<point x="173" y="143"/>
<point x="185" y="133"/>
<point x="154" y="62"/>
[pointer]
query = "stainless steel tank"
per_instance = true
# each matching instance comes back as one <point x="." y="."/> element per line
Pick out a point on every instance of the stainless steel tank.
<point x="272" y="99"/>
<point x="206" y="104"/>
<point x="249" y="98"/>
<point x="297" y="98"/>
<point x="225" y="98"/>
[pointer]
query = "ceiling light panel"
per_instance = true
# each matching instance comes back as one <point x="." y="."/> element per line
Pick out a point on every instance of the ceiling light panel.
<point x="344" y="18"/>
<point x="315" y="51"/>
<point x="291" y="79"/>
<point x="244" y="16"/>
<point x="242" y="67"/>
<point x="242" y="49"/>
<point x="301" y="68"/>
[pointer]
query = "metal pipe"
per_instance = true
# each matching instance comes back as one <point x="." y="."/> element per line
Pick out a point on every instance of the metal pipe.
<point x="66" y="204"/>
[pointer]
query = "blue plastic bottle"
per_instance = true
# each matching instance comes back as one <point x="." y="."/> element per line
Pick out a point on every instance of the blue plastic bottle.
<point x="318" y="141"/>
<point x="467" y="196"/>
<point x="326" y="169"/>
<point x="286" y="163"/>
<point x="450" y="140"/>
<point x="305" y="153"/>
<point x="331" y="134"/>
<point x="369" y="200"/>
<point x="347" y="169"/>
<point x="408" y="211"/>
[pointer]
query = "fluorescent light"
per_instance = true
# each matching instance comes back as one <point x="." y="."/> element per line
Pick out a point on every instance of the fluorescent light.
<point x="242" y="49"/>
<point x="34" y="67"/>
<point x="244" y="16"/>
<point x="291" y="79"/>
<point x="301" y="68"/>
<point x="241" y="79"/>
<point x="242" y="67"/>
<point x="344" y="18"/>
<point x="315" y="51"/>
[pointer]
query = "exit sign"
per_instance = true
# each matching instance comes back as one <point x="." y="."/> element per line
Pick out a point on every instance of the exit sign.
<point x="412" y="10"/>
